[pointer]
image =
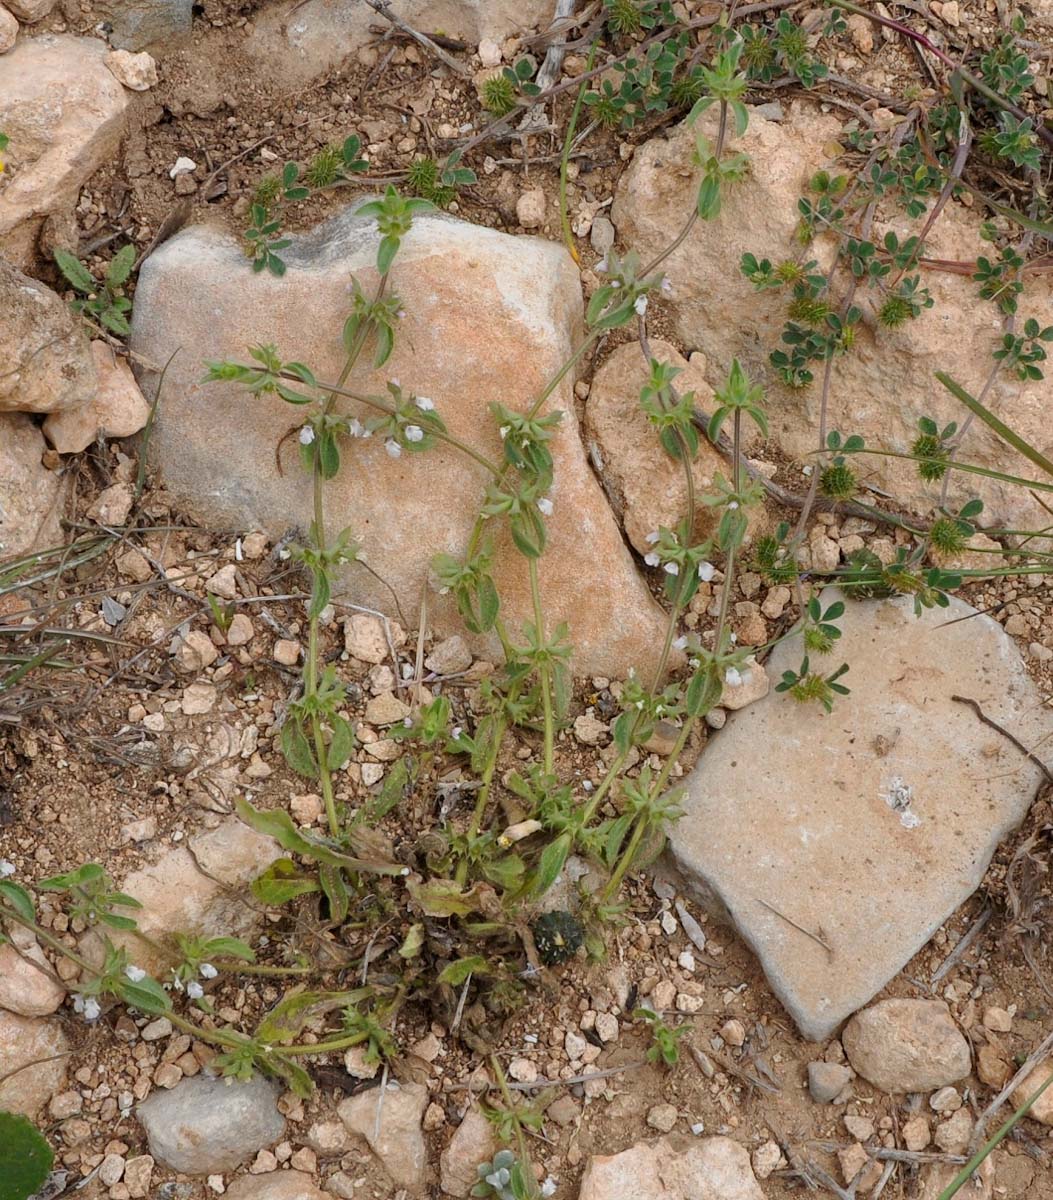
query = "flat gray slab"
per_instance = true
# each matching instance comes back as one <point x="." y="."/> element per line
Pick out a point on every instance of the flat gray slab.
<point x="867" y="826"/>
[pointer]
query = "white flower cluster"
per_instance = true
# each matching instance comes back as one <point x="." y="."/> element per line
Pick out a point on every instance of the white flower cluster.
<point x="87" y="1006"/>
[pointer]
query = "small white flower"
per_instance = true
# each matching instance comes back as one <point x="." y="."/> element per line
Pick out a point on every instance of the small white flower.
<point x="208" y="971"/>
<point x="672" y="568"/>
<point x="733" y="504"/>
<point x="393" y="448"/>
<point x="746" y="677"/>
<point x="456" y="732"/>
<point x="134" y="973"/>
<point x="503" y="431"/>
<point x="548" y="1188"/>
<point x="732" y="677"/>
<point x="6" y="868"/>
<point x="414" y="433"/>
<point x="652" y="537"/>
<point x="601" y="267"/>
<point x="355" y="428"/>
<point x="194" y="990"/>
<point x="78" y="1003"/>
<point x="306" y="435"/>
<point x="545" y="506"/>
<point x="401" y="314"/>
<point x="666" y="285"/>
<point x="395" y="383"/>
<point x="425" y="404"/>
<point x="680" y="643"/>
<point x="705" y="571"/>
<point x="91" y="1009"/>
<point x="407" y="722"/>
<point x="640" y="305"/>
<point x="652" y="559"/>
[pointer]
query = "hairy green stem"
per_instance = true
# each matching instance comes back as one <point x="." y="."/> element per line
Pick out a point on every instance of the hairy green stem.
<point x="545" y="672"/>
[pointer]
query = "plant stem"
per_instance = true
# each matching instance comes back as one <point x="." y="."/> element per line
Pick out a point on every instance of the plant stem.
<point x="545" y="672"/>
<point x="568" y="141"/>
<point x="484" y="794"/>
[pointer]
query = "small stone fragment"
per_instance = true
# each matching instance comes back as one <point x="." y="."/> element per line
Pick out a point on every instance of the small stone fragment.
<point x="766" y="1159"/>
<point x="286" y="652"/>
<point x="907" y="1045"/>
<point x="135" y="71"/>
<point x="827" y="1080"/>
<point x="530" y="208"/>
<point x="112" y="505"/>
<point x="662" y="1117"/>
<point x="590" y="730"/>
<point x="450" y="656"/>
<point x="473" y="1143"/>
<point x="399" y="1141"/>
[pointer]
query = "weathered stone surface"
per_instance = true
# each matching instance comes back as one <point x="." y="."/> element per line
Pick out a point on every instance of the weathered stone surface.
<point x="135" y="71"/>
<point x="870" y="825"/>
<point x="399" y="1141"/>
<point x="30" y="494"/>
<point x="907" y="1045"/>
<point x="883" y="387"/>
<point x="646" y="486"/>
<point x="8" y="30"/>
<point x="488" y="317"/>
<point x="1042" y="1109"/>
<point x="204" y="1125"/>
<point x="937" y="1177"/>
<point x="826" y="1080"/>
<point x="472" y="1144"/>
<point x="673" y="1168"/>
<point x="31" y="11"/>
<point x="27" y="981"/>
<point x="47" y="365"/>
<point x="192" y="890"/>
<point x="117" y="410"/>
<point x="137" y="24"/>
<point x="280" y="1185"/>
<point x="64" y="114"/>
<point x="27" y="1042"/>
<point x="321" y="33"/>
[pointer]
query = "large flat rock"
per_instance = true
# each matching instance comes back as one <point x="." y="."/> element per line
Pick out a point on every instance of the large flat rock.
<point x="867" y="826"/>
<point x="487" y="317"/>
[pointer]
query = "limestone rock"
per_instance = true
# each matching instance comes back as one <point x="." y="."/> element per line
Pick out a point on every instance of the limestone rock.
<point x="47" y="365"/>
<point x="321" y="33"/>
<point x="883" y="387"/>
<point x="8" y="30"/>
<point x="138" y="24"/>
<point x="31" y="11"/>
<point x="192" y="890"/>
<point x="117" y="410"/>
<point x="488" y="316"/>
<point x="826" y="1080"/>
<point x="27" y="981"/>
<point x="30" y="494"/>
<point x="64" y="114"/>
<point x="135" y="71"/>
<point x="673" y="1168"/>
<point x="1042" y="1109"/>
<point x="937" y="1177"/>
<point x="645" y="484"/>
<point x="868" y="826"/>
<point x="472" y="1144"/>
<point x="280" y="1185"/>
<point x="907" y="1045"/>
<point x="38" y="1045"/>
<point x="399" y="1142"/>
<point x="204" y="1125"/>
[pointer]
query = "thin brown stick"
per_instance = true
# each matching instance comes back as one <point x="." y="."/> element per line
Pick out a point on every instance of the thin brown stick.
<point x="1006" y="734"/>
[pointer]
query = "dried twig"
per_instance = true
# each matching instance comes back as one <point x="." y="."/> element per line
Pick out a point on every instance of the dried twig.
<point x="964" y="943"/>
<point x="384" y="9"/>
<point x="800" y="928"/>
<point x="1006" y="734"/>
<point x="1033" y="1060"/>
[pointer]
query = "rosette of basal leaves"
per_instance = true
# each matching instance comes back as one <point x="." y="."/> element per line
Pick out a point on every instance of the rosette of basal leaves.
<point x="671" y="416"/>
<point x="25" y="1157"/>
<point x="394" y="216"/>
<point x="104" y="301"/>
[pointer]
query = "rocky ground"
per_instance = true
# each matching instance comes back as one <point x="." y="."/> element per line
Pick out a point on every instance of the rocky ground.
<point x="884" y="866"/>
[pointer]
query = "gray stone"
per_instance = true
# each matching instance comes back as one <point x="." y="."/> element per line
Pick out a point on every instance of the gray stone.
<point x="301" y="44"/>
<point x="397" y="1139"/>
<point x="673" y="1168"/>
<point x="137" y="24"/>
<point x="826" y="1081"/>
<point x="472" y="1144"/>
<point x="280" y="1185"/>
<point x="487" y="315"/>
<point x="206" y="1125"/>
<point x="870" y="825"/>
<point x="31" y="496"/>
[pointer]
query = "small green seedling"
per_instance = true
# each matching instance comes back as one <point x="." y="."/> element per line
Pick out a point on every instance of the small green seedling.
<point x="105" y="301"/>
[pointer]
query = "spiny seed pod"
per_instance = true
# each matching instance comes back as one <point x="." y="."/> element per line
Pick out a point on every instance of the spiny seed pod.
<point x="557" y="935"/>
<point x="838" y="481"/>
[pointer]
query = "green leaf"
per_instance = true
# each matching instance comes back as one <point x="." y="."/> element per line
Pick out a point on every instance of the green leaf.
<point x="147" y="995"/>
<point x="443" y="898"/>
<point x="121" y="266"/>
<point x="115" y="322"/>
<point x="297" y="749"/>
<point x="75" y="271"/>
<point x="342" y="744"/>
<point x="457" y="972"/>
<point x="989" y="419"/>
<point x="230" y="947"/>
<point x="88" y="873"/>
<point x="551" y="863"/>
<point x="25" y="1157"/>
<point x="19" y="899"/>
<point x="413" y="942"/>
<point x="388" y="248"/>
<point x="334" y="885"/>
<point x="282" y="882"/>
